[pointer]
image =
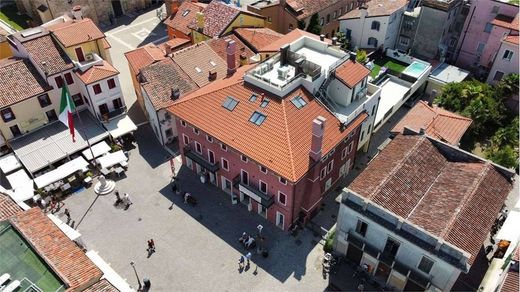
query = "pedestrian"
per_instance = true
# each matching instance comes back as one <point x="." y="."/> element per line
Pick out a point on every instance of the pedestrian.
<point x="118" y="197"/>
<point x="127" y="200"/>
<point x="53" y="205"/>
<point x="241" y="262"/>
<point x="150" y="249"/>
<point x="44" y="205"/>
<point x="67" y="213"/>
<point x="248" y="257"/>
<point x="152" y="245"/>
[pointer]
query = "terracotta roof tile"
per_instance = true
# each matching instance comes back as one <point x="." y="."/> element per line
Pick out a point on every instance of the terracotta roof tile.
<point x="351" y="73"/>
<point x="437" y="122"/>
<point x="306" y="8"/>
<point x="68" y="261"/>
<point x="197" y="60"/>
<point x="257" y="38"/>
<point x="101" y="286"/>
<point x="175" y="43"/>
<point x="184" y="17"/>
<point x="514" y="39"/>
<point x="506" y="21"/>
<point x="106" y="44"/>
<point x="282" y="141"/>
<point x="97" y="73"/>
<point x="8" y="208"/>
<point x="160" y="78"/>
<point x="144" y="56"/>
<point x="415" y="180"/>
<point x="289" y="38"/>
<point x="220" y="46"/>
<point x="511" y="280"/>
<point x="20" y="80"/>
<point x="45" y="49"/>
<point x="73" y="33"/>
<point x="376" y="8"/>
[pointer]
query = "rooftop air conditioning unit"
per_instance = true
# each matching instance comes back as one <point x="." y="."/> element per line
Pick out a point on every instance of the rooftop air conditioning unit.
<point x="283" y="72"/>
<point x="89" y="57"/>
<point x="270" y="64"/>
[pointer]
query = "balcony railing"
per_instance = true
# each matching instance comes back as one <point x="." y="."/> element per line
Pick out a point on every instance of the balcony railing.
<point x="200" y="160"/>
<point x="112" y="114"/>
<point x="91" y="59"/>
<point x="254" y="192"/>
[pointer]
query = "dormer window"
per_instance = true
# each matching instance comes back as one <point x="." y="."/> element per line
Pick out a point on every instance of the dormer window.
<point x="185" y="12"/>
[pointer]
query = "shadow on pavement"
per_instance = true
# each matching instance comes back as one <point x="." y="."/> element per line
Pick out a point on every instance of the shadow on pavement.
<point x="136" y="113"/>
<point x="126" y="19"/>
<point x="287" y="254"/>
<point x="158" y="31"/>
<point x="149" y="147"/>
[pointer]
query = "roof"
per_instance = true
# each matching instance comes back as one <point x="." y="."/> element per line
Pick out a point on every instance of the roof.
<point x="184" y="17"/>
<point x="8" y="207"/>
<point x="506" y="21"/>
<point x="514" y="39"/>
<point x="160" y="78"/>
<point x="144" y="56"/>
<point x="376" y="8"/>
<point x="174" y="43"/>
<point x="306" y="8"/>
<point x="97" y="73"/>
<point x="447" y="73"/>
<point x="106" y="44"/>
<point x="45" y="50"/>
<point x="200" y="56"/>
<point x="282" y="141"/>
<point x="101" y="286"/>
<point x="20" y="80"/>
<point x="63" y="255"/>
<point x="511" y="280"/>
<point x="437" y="122"/>
<point x="289" y="38"/>
<point x="351" y="73"/>
<point x="220" y="46"/>
<point x="71" y="33"/>
<point x="257" y="38"/>
<point x="447" y="192"/>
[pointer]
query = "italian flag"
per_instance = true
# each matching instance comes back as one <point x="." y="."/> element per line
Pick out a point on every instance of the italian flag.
<point x="66" y="109"/>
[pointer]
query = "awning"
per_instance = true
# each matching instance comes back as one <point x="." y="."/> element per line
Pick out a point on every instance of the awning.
<point x="112" y="159"/>
<point x="264" y="199"/>
<point x="510" y="230"/>
<point x="9" y="163"/>
<point x="201" y="161"/>
<point x="61" y="172"/>
<point x="98" y="150"/>
<point x="53" y="142"/>
<point x="21" y="185"/>
<point x="120" y="126"/>
<point x="69" y="231"/>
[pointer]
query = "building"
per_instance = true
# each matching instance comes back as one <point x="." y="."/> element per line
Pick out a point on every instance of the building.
<point x="5" y="50"/>
<point x="257" y="38"/>
<point x="483" y="31"/>
<point x="284" y="16"/>
<point x="181" y="17"/>
<point x="408" y="29"/>
<point x="436" y="122"/>
<point x="57" y="263"/>
<point x="218" y="19"/>
<point x="42" y="11"/>
<point x="301" y="148"/>
<point x="419" y="214"/>
<point x="374" y="24"/>
<point x="442" y="75"/>
<point x="505" y="60"/>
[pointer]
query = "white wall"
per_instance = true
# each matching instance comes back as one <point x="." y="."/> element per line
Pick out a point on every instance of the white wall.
<point x="152" y="115"/>
<point x="339" y="92"/>
<point x="504" y="65"/>
<point x="107" y="95"/>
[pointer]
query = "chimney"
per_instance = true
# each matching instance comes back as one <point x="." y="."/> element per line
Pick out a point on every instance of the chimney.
<point x="422" y="131"/>
<point x="284" y="55"/>
<point x="176" y="93"/>
<point x="432" y="96"/>
<point x="175" y="7"/>
<point x="231" y="50"/>
<point x="322" y="37"/>
<point x="318" y="128"/>
<point x="212" y="76"/>
<point x="334" y="41"/>
<point x="352" y="57"/>
<point x="76" y="12"/>
<point x="167" y="49"/>
<point x="200" y="20"/>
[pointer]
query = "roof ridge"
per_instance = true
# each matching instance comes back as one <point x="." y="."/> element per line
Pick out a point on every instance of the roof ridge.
<point x="291" y="156"/>
<point x="188" y="98"/>
<point x="455" y="116"/>
<point x="485" y="170"/>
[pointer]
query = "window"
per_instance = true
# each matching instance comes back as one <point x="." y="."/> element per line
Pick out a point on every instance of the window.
<point x="7" y="114"/>
<point x="209" y="138"/>
<point x="361" y="228"/>
<point x="264" y="103"/>
<point x="185" y="12"/>
<point x="498" y="76"/>
<point x="298" y="102"/>
<point x="269" y="19"/>
<point x="198" y="147"/>
<point x="350" y="147"/>
<point x="488" y="28"/>
<point x="330" y="166"/>
<point x="117" y="103"/>
<point x="263" y="187"/>
<point x="282" y="198"/>
<point x="230" y="103"/>
<point x="244" y="176"/>
<point x="44" y="100"/>
<point x="169" y="132"/>
<point x="362" y="135"/>
<point x="322" y="21"/>
<point x="375" y="25"/>
<point x="344" y="153"/>
<point x="196" y="131"/>
<point x="480" y="48"/>
<point x="408" y="25"/>
<point x="391" y="248"/>
<point x="51" y="115"/>
<point x="243" y="158"/>
<point x="185" y="139"/>
<point x="507" y="55"/>
<point x="77" y="99"/>
<point x="282" y="180"/>
<point x="68" y="79"/>
<point x="404" y="41"/>
<point x="328" y="18"/>
<point x="263" y="169"/>
<point x="15" y="130"/>
<point x="111" y="83"/>
<point x="79" y="54"/>
<point x="257" y="118"/>
<point x="495" y="9"/>
<point x="341" y="11"/>
<point x="211" y="157"/>
<point x="425" y="265"/>
<point x="323" y="173"/>
<point x="334" y="15"/>
<point x="59" y="81"/>
<point x="183" y="123"/>
<point x="253" y="97"/>
<point x="372" y="41"/>
<point x="373" y="110"/>
<point x="225" y="164"/>
<point x="223" y="146"/>
<point x="97" y="88"/>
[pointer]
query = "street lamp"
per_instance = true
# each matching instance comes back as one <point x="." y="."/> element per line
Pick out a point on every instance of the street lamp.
<point x="137" y="276"/>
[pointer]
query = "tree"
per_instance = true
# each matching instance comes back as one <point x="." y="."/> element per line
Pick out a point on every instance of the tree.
<point x="301" y="24"/>
<point x="503" y="148"/>
<point x="506" y="156"/>
<point x="361" y="56"/>
<point x="314" y="24"/>
<point x="344" y="42"/>
<point x="508" y="86"/>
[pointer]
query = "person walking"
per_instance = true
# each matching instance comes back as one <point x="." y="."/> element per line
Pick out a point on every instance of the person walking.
<point x="67" y="213"/>
<point x="248" y="257"/>
<point x="152" y="245"/>
<point x="118" y="198"/>
<point x="150" y="248"/>
<point x="241" y="262"/>
<point x="128" y="201"/>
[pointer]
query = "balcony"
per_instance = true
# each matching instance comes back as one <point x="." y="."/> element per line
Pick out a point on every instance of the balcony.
<point x="112" y="114"/>
<point x="200" y="160"/>
<point x="91" y="59"/>
<point x="254" y="193"/>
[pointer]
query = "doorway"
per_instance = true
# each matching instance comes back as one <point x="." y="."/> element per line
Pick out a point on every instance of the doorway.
<point x="79" y="54"/>
<point x="118" y="9"/>
<point x="279" y="220"/>
<point x="213" y="178"/>
<point x="103" y="109"/>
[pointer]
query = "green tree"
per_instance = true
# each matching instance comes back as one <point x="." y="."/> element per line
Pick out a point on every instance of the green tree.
<point x="342" y="39"/>
<point x="361" y="56"/>
<point x="508" y="86"/>
<point x="506" y="156"/>
<point x="503" y="148"/>
<point x="301" y="24"/>
<point x="314" y="24"/>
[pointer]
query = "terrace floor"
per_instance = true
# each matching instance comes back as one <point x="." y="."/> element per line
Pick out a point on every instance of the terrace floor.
<point x="389" y="63"/>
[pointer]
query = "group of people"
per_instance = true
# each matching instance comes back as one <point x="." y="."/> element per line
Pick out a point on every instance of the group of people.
<point x="247" y="240"/>
<point x="243" y="259"/>
<point x="53" y="206"/>
<point x="124" y="200"/>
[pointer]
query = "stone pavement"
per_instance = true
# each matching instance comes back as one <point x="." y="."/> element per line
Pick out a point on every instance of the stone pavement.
<point x="197" y="247"/>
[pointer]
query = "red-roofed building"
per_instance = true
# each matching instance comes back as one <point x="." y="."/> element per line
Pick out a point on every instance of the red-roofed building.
<point x="419" y="214"/>
<point x="181" y="17"/>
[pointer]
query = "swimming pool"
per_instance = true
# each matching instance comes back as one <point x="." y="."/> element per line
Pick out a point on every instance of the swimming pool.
<point x="415" y="69"/>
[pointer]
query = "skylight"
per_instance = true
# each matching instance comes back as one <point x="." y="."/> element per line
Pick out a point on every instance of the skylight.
<point x="230" y="103"/>
<point x="264" y="103"/>
<point x="253" y="97"/>
<point x="185" y="12"/>
<point x="298" y="102"/>
<point x="198" y="70"/>
<point x="213" y="63"/>
<point x="257" y="118"/>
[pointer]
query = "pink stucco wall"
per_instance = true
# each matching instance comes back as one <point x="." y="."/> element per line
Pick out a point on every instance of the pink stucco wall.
<point x="479" y="15"/>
